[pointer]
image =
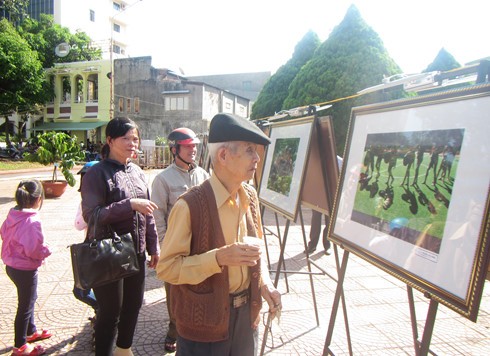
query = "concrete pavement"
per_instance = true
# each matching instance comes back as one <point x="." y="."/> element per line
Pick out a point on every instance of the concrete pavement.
<point x="376" y="303"/>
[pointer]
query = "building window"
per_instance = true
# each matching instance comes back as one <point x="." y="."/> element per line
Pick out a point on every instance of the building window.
<point x="136" y="104"/>
<point x="66" y="85"/>
<point x="128" y="105"/>
<point x="117" y="27"/>
<point x="116" y="6"/>
<point x="246" y="85"/>
<point x="116" y="49"/>
<point x="177" y="103"/>
<point x="79" y="89"/>
<point x="92" y="88"/>
<point x="92" y="15"/>
<point x="121" y="105"/>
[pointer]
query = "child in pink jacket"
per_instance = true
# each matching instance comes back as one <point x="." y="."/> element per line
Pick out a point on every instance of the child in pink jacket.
<point x="23" y="252"/>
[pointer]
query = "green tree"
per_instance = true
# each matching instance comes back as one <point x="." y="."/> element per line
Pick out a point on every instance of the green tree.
<point x="274" y="92"/>
<point x="14" y="10"/>
<point x="351" y="59"/>
<point x="60" y="150"/>
<point x="44" y="35"/>
<point x="443" y="62"/>
<point x="22" y="82"/>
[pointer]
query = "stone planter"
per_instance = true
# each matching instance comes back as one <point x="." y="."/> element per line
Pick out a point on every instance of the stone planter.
<point x="54" y="189"/>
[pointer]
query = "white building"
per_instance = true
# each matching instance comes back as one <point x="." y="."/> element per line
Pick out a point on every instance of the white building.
<point x="104" y="21"/>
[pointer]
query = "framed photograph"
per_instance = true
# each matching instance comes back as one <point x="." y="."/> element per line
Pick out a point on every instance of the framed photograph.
<point x="413" y="196"/>
<point x="284" y="165"/>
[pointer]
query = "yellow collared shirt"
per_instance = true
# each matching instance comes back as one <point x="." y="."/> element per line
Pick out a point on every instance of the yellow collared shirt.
<point x="175" y="266"/>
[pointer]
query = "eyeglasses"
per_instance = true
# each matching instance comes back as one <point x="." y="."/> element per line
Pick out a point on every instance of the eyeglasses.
<point x="265" y="319"/>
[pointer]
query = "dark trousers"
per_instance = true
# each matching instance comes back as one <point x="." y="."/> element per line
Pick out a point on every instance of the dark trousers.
<point x="242" y="341"/>
<point x="316" y="227"/>
<point x="26" y="283"/>
<point x="119" y="305"/>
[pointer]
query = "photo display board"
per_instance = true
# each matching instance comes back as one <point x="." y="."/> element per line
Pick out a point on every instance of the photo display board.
<point x="322" y="171"/>
<point x="284" y="165"/>
<point x="413" y="196"/>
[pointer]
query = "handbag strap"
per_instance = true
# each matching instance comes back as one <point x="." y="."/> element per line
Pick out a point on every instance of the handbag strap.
<point x="93" y="225"/>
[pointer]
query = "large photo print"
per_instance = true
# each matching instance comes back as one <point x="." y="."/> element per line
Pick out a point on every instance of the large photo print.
<point x="406" y="184"/>
<point x="413" y="196"/>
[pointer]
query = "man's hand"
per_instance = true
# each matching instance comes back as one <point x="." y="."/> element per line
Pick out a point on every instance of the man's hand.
<point x="273" y="298"/>
<point x="144" y="206"/>
<point x="238" y="254"/>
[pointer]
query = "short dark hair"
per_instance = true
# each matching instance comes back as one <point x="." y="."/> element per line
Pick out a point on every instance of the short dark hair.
<point x="28" y="192"/>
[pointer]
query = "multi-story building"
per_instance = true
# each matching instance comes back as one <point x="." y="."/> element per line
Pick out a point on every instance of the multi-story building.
<point x="104" y="21"/>
<point x="160" y="100"/>
<point x="157" y="99"/>
<point x="82" y="102"/>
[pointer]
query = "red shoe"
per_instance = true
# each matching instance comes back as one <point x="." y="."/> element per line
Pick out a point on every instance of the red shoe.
<point x="44" y="334"/>
<point x="29" y="350"/>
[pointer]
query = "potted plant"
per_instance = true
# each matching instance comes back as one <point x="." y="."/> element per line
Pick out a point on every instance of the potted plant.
<point x="61" y="150"/>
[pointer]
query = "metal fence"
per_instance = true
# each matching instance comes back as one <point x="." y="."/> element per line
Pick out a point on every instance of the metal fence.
<point x="156" y="157"/>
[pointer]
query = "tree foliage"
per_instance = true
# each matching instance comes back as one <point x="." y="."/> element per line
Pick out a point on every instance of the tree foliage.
<point x="444" y="61"/>
<point x="59" y="149"/>
<point x="351" y="59"/>
<point x="14" y="10"/>
<point x="22" y="83"/>
<point x="24" y="53"/>
<point x="274" y="92"/>
<point x="44" y="35"/>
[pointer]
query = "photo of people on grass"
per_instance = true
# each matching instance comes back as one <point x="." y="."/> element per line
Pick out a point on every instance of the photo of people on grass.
<point x="406" y="182"/>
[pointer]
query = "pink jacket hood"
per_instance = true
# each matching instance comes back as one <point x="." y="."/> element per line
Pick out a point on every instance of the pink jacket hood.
<point x="23" y="240"/>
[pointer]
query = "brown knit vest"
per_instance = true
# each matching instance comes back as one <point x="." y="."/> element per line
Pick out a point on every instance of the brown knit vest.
<point x="202" y="311"/>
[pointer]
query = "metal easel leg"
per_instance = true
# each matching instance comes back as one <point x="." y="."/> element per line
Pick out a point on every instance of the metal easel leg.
<point x="422" y="348"/>
<point x="339" y="296"/>
<point x="308" y="264"/>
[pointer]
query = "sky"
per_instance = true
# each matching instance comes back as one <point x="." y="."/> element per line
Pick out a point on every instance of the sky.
<point x="197" y="37"/>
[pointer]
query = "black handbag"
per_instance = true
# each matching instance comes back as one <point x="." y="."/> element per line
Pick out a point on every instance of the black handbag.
<point x="107" y="258"/>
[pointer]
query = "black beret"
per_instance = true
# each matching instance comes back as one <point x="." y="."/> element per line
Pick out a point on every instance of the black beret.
<point x="229" y="127"/>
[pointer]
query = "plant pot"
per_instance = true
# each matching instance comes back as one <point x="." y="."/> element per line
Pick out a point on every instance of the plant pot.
<point x="54" y="189"/>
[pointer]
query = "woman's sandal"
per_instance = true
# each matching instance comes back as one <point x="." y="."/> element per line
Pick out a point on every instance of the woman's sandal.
<point x="29" y="350"/>
<point x="44" y="334"/>
<point x="170" y="344"/>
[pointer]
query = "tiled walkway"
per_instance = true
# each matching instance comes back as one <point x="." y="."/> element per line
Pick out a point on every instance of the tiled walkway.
<point x="376" y="303"/>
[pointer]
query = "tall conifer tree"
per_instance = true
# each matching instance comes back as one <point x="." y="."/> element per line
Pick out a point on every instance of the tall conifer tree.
<point x="274" y="92"/>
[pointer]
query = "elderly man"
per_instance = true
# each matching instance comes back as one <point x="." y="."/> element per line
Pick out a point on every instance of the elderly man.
<point x="217" y="278"/>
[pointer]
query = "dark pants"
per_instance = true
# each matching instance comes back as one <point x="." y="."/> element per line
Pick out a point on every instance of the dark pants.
<point x="119" y="305"/>
<point x="26" y="283"/>
<point x="85" y="296"/>
<point x="242" y="341"/>
<point x="316" y="226"/>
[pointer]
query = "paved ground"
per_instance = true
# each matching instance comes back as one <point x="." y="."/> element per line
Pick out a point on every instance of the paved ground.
<point x="376" y="303"/>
